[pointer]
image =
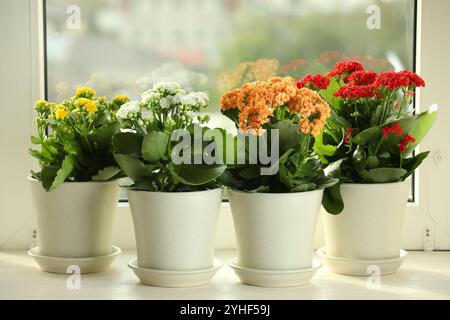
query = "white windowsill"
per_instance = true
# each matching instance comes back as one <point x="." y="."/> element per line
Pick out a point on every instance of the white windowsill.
<point x="424" y="275"/>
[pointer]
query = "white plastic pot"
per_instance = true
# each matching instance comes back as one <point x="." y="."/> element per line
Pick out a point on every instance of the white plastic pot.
<point x="76" y="219"/>
<point x="175" y="230"/>
<point x="370" y="227"/>
<point x="275" y="231"/>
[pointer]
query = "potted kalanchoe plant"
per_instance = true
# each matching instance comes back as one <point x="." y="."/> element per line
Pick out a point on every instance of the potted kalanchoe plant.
<point x="76" y="190"/>
<point x="175" y="204"/>
<point x="275" y="205"/>
<point x="368" y="143"/>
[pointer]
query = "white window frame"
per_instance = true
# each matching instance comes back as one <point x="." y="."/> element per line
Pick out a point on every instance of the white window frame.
<point x="25" y="84"/>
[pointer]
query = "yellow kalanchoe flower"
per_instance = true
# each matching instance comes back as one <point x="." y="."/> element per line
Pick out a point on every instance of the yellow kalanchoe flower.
<point x="41" y="105"/>
<point x="102" y="99"/>
<point x="76" y="111"/>
<point x="87" y="104"/>
<point x="85" y="92"/>
<point x="61" y="112"/>
<point x="40" y="102"/>
<point x="121" y="99"/>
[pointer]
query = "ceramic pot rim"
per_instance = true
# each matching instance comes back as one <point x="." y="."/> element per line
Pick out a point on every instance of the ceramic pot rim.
<point x="179" y="193"/>
<point x="31" y="179"/>
<point x="408" y="180"/>
<point x="281" y="194"/>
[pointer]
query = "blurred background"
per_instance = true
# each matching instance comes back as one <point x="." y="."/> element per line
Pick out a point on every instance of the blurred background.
<point x="123" y="46"/>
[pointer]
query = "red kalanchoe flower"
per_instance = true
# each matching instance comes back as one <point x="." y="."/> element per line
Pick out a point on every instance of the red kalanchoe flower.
<point x="395" y="80"/>
<point x="414" y="79"/>
<point x="403" y="144"/>
<point x="347" y="135"/>
<point x="355" y="92"/>
<point x="345" y="68"/>
<point x="315" y="82"/>
<point x="394" y="129"/>
<point x="361" y="77"/>
<point x="391" y="80"/>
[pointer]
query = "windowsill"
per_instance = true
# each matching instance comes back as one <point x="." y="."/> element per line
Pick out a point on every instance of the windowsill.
<point x="424" y="275"/>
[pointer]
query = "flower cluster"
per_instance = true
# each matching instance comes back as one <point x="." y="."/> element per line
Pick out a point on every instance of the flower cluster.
<point x="75" y="138"/>
<point x="345" y="68"/>
<point x="362" y="77"/>
<point x="313" y="109"/>
<point x="256" y="103"/>
<point x="395" y="80"/>
<point x="84" y="104"/>
<point x="166" y="106"/>
<point x="315" y="82"/>
<point x="355" y="92"/>
<point x="361" y="84"/>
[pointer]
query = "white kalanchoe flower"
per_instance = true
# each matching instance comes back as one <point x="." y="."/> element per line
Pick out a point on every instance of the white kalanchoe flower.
<point x="166" y="86"/>
<point x="176" y="99"/>
<point x="128" y="110"/>
<point x="195" y="99"/>
<point x="150" y="96"/>
<point x="165" y="103"/>
<point x="146" y="114"/>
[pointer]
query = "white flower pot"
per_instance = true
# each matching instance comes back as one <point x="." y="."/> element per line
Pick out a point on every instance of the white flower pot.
<point x="175" y="230"/>
<point x="76" y="219"/>
<point x="370" y="227"/>
<point x="275" y="231"/>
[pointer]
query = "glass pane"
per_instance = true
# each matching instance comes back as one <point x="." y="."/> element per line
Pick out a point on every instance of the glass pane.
<point x="123" y="46"/>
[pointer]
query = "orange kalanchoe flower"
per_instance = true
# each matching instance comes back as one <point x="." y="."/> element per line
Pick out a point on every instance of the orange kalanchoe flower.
<point x="257" y="101"/>
<point x="313" y="109"/>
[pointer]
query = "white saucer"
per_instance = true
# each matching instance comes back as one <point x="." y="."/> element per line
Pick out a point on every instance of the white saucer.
<point x="86" y="265"/>
<point x="366" y="268"/>
<point x="175" y="279"/>
<point x="275" y="278"/>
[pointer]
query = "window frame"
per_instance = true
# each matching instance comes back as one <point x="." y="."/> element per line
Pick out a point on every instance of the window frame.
<point x="426" y="212"/>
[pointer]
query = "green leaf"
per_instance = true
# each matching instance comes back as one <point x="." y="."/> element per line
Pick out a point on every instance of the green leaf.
<point x="418" y="126"/>
<point x="288" y="134"/>
<point x="132" y="167"/>
<point x="250" y="172"/>
<point x="304" y="187"/>
<point x="371" y="134"/>
<point x="332" y="200"/>
<point x="232" y="114"/>
<point x="326" y="182"/>
<point x="41" y="155"/>
<point x="36" y="140"/>
<point x="359" y="159"/>
<point x="64" y="172"/>
<point x="144" y="185"/>
<point x="127" y="143"/>
<point x="333" y="169"/>
<point x="328" y="95"/>
<point x="101" y="137"/>
<point x="382" y="175"/>
<point x="411" y="164"/>
<point x="321" y="149"/>
<point x="72" y="147"/>
<point x="372" y="162"/>
<point x="376" y="117"/>
<point x="106" y="173"/>
<point x="47" y="176"/>
<point x="196" y="174"/>
<point x="154" y="146"/>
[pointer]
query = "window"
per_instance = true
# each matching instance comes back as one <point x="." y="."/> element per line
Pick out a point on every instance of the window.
<point x="122" y="47"/>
